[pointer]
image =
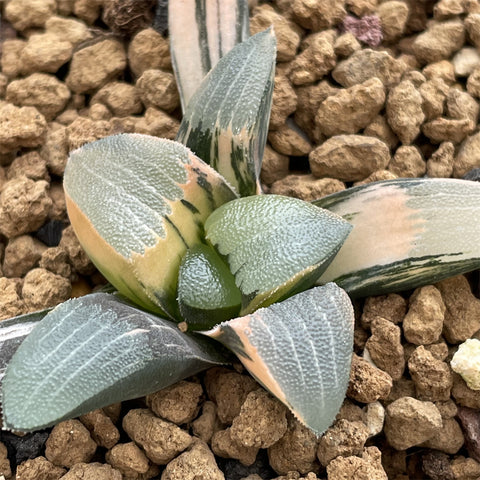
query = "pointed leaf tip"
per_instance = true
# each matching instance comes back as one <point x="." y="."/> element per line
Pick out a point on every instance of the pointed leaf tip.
<point x="300" y="350"/>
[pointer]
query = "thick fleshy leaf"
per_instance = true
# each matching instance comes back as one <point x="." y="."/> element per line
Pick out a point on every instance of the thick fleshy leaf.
<point x="406" y="232"/>
<point x="300" y="350"/>
<point x="12" y="333"/>
<point x="226" y="121"/>
<point x="93" y="351"/>
<point x="207" y="293"/>
<point x="201" y="32"/>
<point x="274" y="245"/>
<point x="137" y="203"/>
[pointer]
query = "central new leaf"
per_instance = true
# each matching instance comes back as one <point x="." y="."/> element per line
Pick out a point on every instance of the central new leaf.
<point x="137" y="203"/>
<point x="275" y="246"/>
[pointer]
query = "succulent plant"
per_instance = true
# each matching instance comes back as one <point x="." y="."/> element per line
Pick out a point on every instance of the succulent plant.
<point x="197" y="255"/>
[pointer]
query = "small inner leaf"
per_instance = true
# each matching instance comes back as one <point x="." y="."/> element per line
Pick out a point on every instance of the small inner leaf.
<point x="137" y="203"/>
<point x="300" y="350"/>
<point x="93" y="351"/>
<point x="207" y="293"/>
<point x="274" y="244"/>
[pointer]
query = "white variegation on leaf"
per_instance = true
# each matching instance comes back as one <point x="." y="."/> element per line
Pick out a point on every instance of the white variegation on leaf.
<point x="93" y="351"/>
<point x="406" y="232"/>
<point x="137" y="203"/>
<point x="300" y="350"/>
<point x="201" y="32"/>
<point x="226" y="121"/>
<point x="275" y="246"/>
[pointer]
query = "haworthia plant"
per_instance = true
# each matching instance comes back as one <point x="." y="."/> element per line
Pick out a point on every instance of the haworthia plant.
<point x="300" y="350"/>
<point x="406" y="232"/>
<point x="201" y="32"/>
<point x="128" y="197"/>
<point x="226" y="122"/>
<point x="93" y="351"/>
<point x="267" y="242"/>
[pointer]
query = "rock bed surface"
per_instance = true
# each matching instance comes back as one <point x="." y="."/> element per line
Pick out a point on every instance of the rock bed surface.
<point x="364" y="90"/>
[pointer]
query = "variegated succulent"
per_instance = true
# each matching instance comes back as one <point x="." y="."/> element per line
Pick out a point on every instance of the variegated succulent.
<point x="184" y="235"/>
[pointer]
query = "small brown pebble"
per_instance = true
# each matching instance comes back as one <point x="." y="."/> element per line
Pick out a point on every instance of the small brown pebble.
<point x="76" y="254"/>
<point x="207" y="423"/>
<point x="393" y="17"/>
<point x="223" y="445"/>
<point x="55" y="259"/>
<point x="461" y="105"/>
<point x="284" y="102"/>
<point x="463" y="395"/>
<point x="24" y="206"/>
<point x="465" y="468"/>
<point x="470" y="422"/>
<point x="290" y="140"/>
<point x="148" y="50"/>
<point x="346" y="44"/>
<point x="410" y="422"/>
<point x="85" y="130"/>
<point x="21" y="127"/>
<point x="432" y="377"/>
<point x="381" y="129"/>
<point x="38" y="468"/>
<point x="368" y="466"/>
<point x="58" y="210"/>
<point x="440" y="163"/>
<point x="11" y="304"/>
<point x="95" y="65"/>
<point x="5" y="468"/>
<point x="11" y="57"/>
<point x="423" y="322"/>
<point x="92" y="471"/>
<point x="197" y="463"/>
<point x="69" y="443"/>
<point x="439" y="41"/>
<point x="161" y="440"/>
<point x="158" y="89"/>
<point x="404" y="111"/>
<point x="376" y="177"/>
<point x="306" y="186"/>
<point x="349" y="157"/>
<point x="408" y="162"/>
<point x="433" y="92"/>
<point x="465" y="61"/>
<point x="23" y="14"/>
<point x="462" y="315"/>
<point x="87" y="10"/>
<point x="229" y="391"/>
<point x="157" y="123"/>
<point x="468" y="156"/>
<point x="448" y="129"/>
<point x="21" y="255"/>
<point x="40" y="90"/>
<point x="449" y="439"/>
<point x="385" y="347"/>
<point x="404" y="387"/>
<point x="129" y="459"/>
<point x="318" y="14"/>
<point x="295" y="451"/>
<point x="368" y="63"/>
<point x="101" y="428"/>
<point x="367" y="382"/>
<point x="344" y="439"/>
<point x="45" y="52"/>
<point x="68" y="29"/>
<point x="261" y="421"/>
<point x="288" y="34"/>
<point x="31" y="164"/>
<point x="275" y="166"/>
<point x="315" y="61"/>
<point x="121" y="98"/>
<point x="351" y="109"/>
<point x="56" y="148"/>
<point x="178" y="403"/>
<point x="43" y="289"/>
<point x="472" y="24"/>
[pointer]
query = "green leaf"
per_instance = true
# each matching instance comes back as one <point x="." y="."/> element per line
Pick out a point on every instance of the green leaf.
<point x="201" y="32"/>
<point x="93" y="351"/>
<point x="12" y="333"/>
<point x="226" y="121"/>
<point x="137" y="203"/>
<point x="207" y="293"/>
<point x="300" y="350"/>
<point x="274" y="245"/>
<point x="406" y="233"/>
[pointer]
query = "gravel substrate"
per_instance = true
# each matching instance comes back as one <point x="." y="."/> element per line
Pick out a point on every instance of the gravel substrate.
<point x="364" y="90"/>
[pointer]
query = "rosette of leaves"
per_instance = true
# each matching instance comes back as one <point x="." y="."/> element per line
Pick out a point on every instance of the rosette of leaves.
<point x="178" y="230"/>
